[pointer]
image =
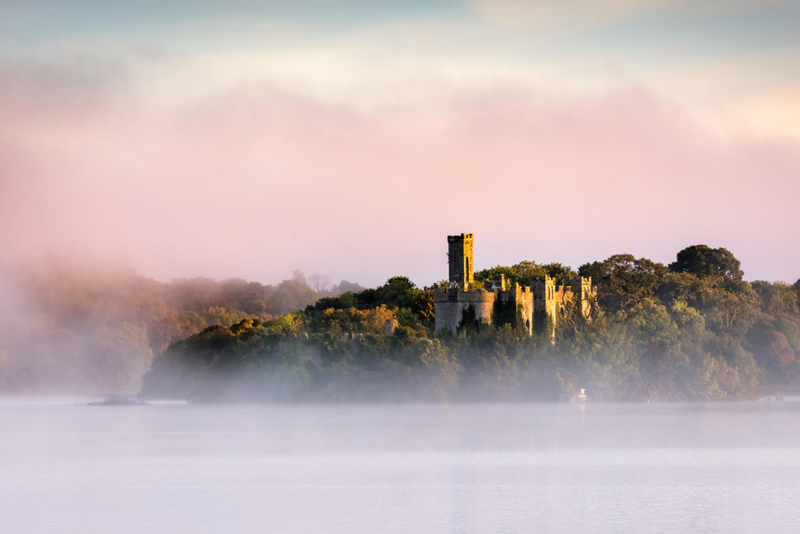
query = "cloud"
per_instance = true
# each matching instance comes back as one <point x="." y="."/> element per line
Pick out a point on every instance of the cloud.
<point x="548" y="14"/>
<point x="257" y="181"/>
<point x="774" y="111"/>
<point x="540" y="15"/>
<point x="353" y="154"/>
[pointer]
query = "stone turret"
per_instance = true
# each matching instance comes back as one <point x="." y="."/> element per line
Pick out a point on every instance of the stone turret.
<point x="459" y="254"/>
<point x="501" y="302"/>
<point x="583" y="287"/>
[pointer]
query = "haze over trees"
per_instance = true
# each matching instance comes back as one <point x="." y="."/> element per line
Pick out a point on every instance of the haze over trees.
<point x="86" y="325"/>
<point x="693" y="330"/>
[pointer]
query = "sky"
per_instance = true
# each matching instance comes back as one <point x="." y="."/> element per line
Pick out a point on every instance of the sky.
<point x="349" y="138"/>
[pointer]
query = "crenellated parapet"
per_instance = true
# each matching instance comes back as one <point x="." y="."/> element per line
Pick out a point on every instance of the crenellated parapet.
<point x="536" y="305"/>
<point x="457" y="309"/>
<point x="583" y="290"/>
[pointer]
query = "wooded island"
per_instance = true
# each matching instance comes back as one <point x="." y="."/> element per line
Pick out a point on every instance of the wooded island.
<point x="692" y="330"/>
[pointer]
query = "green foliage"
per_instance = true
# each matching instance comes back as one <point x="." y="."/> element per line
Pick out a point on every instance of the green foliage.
<point x="770" y="347"/>
<point x="796" y="287"/>
<point x="702" y="260"/>
<point x="293" y="295"/>
<point x="347" y="320"/>
<point x="789" y="326"/>
<point x="488" y="274"/>
<point x="469" y="320"/>
<point x="727" y="305"/>
<point x="778" y="297"/>
<point x="397" y="292"/>
<point x="506" y="312"/>
<point x="561" y="273"/>
<point x="525" y="271"/>
<point x="348" y="300"/>
<point x="622" y="280"/>
<point x="688" y="320"/>
<point x="652" y="324"/>
<point x="76" y="305"/>
<point x="695" y="331"/>
<point x="220" y="316"/>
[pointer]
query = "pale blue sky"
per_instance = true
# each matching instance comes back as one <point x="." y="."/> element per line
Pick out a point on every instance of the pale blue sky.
<point x="688" y="29"/>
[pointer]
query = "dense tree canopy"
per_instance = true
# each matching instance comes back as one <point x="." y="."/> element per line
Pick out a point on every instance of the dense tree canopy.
<point x="778" y="297"/>
<point x="693" y="331"/>
<point x="524" y="271"/>
<point x="622" y="280"/>
<point x="702" y="260"/>
<point x="690" y="332"/>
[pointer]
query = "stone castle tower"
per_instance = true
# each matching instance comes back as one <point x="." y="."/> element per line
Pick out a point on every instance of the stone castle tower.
<point x="459" y="253"/>
<point x="537" y="304"/>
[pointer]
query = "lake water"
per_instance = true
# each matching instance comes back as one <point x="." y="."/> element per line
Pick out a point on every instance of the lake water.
<point x="408" y="468"/>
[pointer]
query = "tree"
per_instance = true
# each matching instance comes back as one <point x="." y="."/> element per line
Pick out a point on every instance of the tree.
<point x="292" y="295"/>
<point x="489" y="274"/>
<point x="778" y="297"/>
<point x="344" y="287"/>
<point x="652" y="324"/>
<point x="796" y="287"/>
<point x="525" y="270"/>
<point x="397" y="292"/>
<point x="319" y="282"/>
<point x="770" y="346"/>
<point x="727" y="305"/>
<point x="561" y="273"/>
<point x="702" y="260"/>
<point x="217" y="315"/>
<point x="622" y="280"/>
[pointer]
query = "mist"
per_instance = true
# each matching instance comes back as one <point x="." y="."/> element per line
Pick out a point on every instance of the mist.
<point x="83" y="325"/>
<point x="411" y="468"/>
<point x="229" y="301"/>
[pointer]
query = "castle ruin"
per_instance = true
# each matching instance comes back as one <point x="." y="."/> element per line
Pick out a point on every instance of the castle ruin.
<point x="535" y="305"/>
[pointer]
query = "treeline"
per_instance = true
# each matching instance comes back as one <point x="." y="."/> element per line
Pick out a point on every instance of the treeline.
<point x="90" y="326"/>
<point x="691" y="330"/>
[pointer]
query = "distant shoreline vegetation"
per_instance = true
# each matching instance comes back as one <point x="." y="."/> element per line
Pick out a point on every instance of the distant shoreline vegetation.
<point x="693" y="330"/>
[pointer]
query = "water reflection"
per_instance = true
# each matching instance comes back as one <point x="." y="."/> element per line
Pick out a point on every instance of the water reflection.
<point x="411" y="468"/>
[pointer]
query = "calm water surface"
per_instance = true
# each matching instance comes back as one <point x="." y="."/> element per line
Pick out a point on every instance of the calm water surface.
<point x="411" y="468"/>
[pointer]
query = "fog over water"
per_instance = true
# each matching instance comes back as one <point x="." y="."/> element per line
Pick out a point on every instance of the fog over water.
<point x="411" y="468"/>
<point x="170" y="170"/>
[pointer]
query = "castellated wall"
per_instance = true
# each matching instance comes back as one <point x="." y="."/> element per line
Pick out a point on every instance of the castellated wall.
<point x="499" y="304"/>
<point x="583" y="287"/>
<point x="524" y="297"/>
<point x="547" y="297"/>
<point x="450" y="305"/>
<point x="488" y="306"/>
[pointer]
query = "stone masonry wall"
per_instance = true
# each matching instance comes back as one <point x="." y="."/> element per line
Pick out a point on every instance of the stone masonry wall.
<point x="450" y="305"/>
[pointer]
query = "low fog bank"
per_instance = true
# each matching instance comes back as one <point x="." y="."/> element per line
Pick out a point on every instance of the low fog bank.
<point x="255" y="363"/>
<point x="324" y="370"/>
<point x="77" y="325"/>
<point x="691" y="331"/>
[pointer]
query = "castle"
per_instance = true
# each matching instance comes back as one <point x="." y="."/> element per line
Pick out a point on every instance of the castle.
<point x="536" y="305"/>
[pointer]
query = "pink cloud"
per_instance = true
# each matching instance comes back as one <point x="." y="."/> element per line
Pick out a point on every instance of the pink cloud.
<point x="256" y="184"/>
